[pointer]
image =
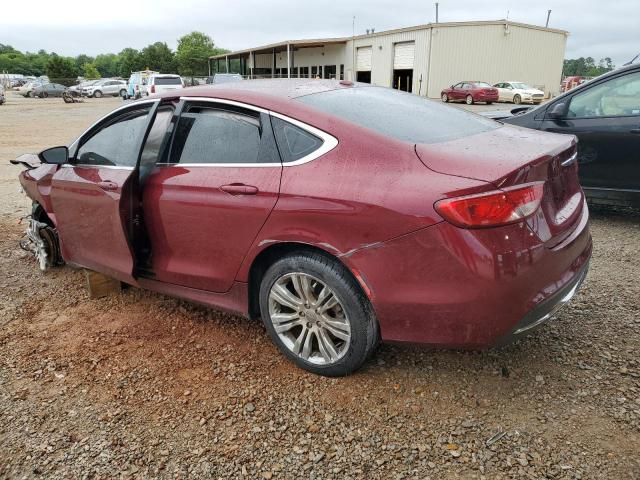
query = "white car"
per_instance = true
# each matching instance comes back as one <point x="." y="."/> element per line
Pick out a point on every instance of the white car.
<point x="163" y="82"/>
<point x="518" y="92"/>
<point x="26" y="90"/>
<point x="106" y="86"/>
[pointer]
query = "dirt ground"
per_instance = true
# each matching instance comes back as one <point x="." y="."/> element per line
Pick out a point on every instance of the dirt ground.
<point x="141" y="385"/>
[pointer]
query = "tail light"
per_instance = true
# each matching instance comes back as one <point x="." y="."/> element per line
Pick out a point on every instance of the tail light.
<point x="490" y="209"/>
<point x="153" y="89"/>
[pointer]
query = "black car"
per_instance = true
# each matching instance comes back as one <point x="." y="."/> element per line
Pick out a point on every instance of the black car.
<point x="604" y="114"/>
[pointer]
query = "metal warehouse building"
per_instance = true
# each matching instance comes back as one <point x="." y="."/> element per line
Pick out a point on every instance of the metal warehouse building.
<point x="423" y="59"/>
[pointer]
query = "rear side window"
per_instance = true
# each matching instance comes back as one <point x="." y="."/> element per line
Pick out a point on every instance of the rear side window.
<point x="294" y="143"/>
<point x="167" y="81"/>
<point x="399" y="115"/>
<point x="217" y="135"/>
<point x="117" y="143"/>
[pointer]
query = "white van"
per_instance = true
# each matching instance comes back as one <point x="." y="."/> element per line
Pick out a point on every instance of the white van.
<point x="163" y="82"/>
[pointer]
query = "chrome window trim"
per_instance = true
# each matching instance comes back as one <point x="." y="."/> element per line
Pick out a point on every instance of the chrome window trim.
<point x="86" y="165"/>
<point x="329" y="142"/>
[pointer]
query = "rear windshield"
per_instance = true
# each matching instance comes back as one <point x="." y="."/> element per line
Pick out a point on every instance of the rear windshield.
<point x="403" y="116"/>
<point x="168" y="81"/>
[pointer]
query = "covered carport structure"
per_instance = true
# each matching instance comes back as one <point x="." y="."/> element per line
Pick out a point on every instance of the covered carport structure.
<point x="288" y="59"/>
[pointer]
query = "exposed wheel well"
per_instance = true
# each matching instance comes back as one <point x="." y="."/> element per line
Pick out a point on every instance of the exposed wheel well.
<point x="268" y="257"/>
<point x="38" y="213"/>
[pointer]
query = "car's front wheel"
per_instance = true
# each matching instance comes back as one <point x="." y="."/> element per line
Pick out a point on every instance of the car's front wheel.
<point x="317" y="314"/>
<point x="517" y="99"/>
<point x="469" y="100"/>
<point x="445" y="97"/>
<point x="97" y="94"/>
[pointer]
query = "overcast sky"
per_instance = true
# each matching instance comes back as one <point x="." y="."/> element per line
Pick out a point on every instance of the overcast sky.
<point x="597" y="28"/>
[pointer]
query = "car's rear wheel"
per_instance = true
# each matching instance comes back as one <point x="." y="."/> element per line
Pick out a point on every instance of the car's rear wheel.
<point x="317" y="315"/>
<point x="44" y="95"/>
<point x="445" y="97"/>
<point x="517" y="99"/>
<point x="123" y="93"/>
<point x="469" y="100"/>
<point x="97" y="94"/>
<point x="30" y="94"/>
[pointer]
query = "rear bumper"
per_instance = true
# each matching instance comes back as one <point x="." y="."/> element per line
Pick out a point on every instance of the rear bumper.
<point x="454" y="287"/>
<point x="545" y="311"/>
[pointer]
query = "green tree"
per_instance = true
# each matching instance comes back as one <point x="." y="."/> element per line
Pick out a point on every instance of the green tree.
<point x="130" y="60"/>
<point x="193" y="52"/>
<point x="61" y="68"/>
<point x="158" y="56"/>
<point x="81" y="60"/>
<point x="108" y="64"/>
<point x="586" y="67"/>
<point x="90" y="71"/>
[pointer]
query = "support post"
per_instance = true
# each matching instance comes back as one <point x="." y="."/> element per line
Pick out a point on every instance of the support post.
<point x="288" y="61"/>
<point x="227" y="57"/>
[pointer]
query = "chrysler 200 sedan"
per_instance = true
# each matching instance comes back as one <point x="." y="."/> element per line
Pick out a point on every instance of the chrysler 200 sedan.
<point x="341" y="214"/>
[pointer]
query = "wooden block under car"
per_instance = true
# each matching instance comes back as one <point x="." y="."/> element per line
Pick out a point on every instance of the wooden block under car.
<point x="100" y="285"/>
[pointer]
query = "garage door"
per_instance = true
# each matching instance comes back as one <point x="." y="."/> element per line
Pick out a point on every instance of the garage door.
<point x="403" y="55"/>
<point x="364" y="59"/>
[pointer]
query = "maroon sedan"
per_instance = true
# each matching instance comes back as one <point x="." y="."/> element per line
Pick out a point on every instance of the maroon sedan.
<point x="470" y="92"/>
<point x="341" y="214"/>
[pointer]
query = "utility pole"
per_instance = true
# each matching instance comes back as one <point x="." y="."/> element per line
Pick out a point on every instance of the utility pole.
<point x="437" y="16"/>
<point x="548" y="15"/>
<point x="353" y="50"/>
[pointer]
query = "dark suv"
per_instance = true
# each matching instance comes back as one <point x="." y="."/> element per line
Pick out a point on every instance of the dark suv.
<point x="604" y="114"/>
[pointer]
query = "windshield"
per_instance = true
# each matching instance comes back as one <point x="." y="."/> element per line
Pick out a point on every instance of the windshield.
<point x="521" y="86"/>
<point x="403" y="116"/>
<point x="167" y="81"/>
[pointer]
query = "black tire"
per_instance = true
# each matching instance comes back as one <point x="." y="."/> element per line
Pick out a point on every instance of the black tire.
<point x="364" y="326"/>
<point x="469" y="100"/>
<point x="489" y="103"/>
<point x="123" y="94"/>
<point x="517" y="99"/>
<point x="445" y="98"/>
<point x="97" y="94"/>
<point x="44" y="95"/>
<point x="30" y="95"/>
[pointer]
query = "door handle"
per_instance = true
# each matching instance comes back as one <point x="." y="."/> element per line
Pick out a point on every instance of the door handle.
<point x="239" y="189"/>
<point x="107" y="185"/>
<point x="635" y="130"/>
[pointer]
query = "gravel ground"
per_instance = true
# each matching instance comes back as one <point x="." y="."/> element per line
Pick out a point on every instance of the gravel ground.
<point x="141" y="385"/>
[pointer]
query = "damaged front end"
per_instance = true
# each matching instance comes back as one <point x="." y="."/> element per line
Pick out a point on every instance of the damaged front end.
<point x="42" y="241"/>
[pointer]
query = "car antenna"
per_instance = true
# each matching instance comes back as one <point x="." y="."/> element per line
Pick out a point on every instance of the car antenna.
<point x="632" y="60"/>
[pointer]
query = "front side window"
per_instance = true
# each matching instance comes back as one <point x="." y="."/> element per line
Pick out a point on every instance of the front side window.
<point x="617" y="97"/>
<point x="117" y="142"/>
<point x="211" y="135"/>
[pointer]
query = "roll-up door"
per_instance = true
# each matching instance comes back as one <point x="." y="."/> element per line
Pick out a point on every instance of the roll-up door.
<point x="364" y="59"/>
<point x="403" y="55"/>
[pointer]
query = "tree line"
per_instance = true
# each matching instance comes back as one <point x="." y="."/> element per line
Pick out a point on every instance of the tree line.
<point x="586" y="67"/>
<point x="189" y="59"/>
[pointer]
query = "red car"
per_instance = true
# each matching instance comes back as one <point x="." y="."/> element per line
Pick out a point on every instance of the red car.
<point x="470" y="92"/>
<point x="341" y="214"/>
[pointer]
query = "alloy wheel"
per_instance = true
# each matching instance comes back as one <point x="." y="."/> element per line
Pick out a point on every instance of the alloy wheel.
<point x="445" y="98"/>
<point x="469" y="100"/>
<point x="309" y="318"/>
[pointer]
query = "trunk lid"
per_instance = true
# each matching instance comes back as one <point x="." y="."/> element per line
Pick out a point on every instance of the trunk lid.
<point x="510" y="156"/>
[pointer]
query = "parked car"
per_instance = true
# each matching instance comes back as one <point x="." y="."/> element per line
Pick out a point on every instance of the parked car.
<point x="2" y="97"/>
<point x="571" y="82"/>
<point x="470" y="92"/>
<point x="48" y="90"/>
<point x="104" y="87"/>
<point x="518" y="92"/>
<point x="137" y="84"/>
<point x="605" y="116"/>
<point x="162" y="82"/>
<point x="339" y="213"/>
<point x="76" y="90"/>
<point x="224" y="78"/>
<point x="26" y="90"/>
